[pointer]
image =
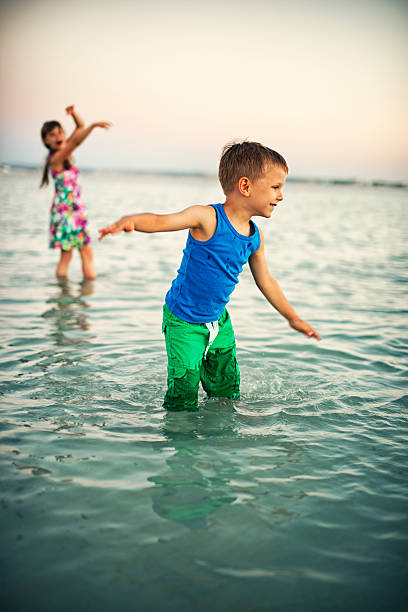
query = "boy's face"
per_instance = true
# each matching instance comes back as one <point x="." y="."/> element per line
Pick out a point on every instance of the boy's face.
<point x="266" y="191"/>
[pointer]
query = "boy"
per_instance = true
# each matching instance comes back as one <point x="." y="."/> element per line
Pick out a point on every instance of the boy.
<point x="200" y="341"/>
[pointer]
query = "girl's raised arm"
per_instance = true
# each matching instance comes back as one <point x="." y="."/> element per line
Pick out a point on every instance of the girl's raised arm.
<point x="74" y="141"/>
<point x="79" y="124"/>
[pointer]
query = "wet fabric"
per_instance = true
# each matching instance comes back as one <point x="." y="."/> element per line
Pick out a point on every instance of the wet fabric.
<point x="209" y="271"/>
<point x="68" y="218"/>
<point x="186" y="345"/>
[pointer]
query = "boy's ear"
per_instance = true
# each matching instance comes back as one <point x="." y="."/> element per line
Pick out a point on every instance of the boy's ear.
<point x="244" y="186"/>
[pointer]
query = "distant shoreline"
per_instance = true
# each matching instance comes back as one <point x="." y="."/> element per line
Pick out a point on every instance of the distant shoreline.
<point x="6" y="168"/>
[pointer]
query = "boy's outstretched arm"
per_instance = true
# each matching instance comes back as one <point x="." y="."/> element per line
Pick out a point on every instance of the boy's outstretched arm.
<point x="200" y="219"/>
<point x="274" y="294"/>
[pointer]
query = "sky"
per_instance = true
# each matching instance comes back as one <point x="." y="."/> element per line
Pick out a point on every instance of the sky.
<point x="322" y="82"/>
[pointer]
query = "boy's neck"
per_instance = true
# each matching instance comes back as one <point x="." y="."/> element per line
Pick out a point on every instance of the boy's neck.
<point x="238" y="214"/>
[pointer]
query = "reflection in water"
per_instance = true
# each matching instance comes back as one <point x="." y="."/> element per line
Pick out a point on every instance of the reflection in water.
<point x="195" y="485"/>
<point x="68" y="379"/>
<point x="210" y="469"/>
<point x="68" y="312"/>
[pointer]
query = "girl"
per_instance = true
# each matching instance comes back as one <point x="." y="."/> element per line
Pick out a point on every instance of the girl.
<point x="68" y="224"/>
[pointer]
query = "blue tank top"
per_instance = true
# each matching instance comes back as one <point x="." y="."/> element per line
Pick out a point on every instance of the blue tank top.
<point x="209" y="271"/>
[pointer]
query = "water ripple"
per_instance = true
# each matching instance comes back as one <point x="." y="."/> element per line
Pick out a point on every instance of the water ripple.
<point x="299" y="487"/>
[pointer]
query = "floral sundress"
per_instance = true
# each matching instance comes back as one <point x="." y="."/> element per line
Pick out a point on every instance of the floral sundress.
<point x="68" y="223"/>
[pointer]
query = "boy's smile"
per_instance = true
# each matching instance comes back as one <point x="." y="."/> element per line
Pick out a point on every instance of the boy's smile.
<point x="266" y="192"/>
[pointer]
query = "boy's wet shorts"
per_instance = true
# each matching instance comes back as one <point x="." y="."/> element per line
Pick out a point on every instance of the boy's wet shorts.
<point x="186" y="345"/>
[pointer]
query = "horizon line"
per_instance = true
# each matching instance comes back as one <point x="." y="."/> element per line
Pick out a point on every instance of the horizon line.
<point x="5" y="167"/>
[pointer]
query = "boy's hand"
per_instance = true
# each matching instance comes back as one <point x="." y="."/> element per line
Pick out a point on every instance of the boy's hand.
<point x="304" y="328"/>
<point x="125" y="224"/>
<point x="70" y="109"/>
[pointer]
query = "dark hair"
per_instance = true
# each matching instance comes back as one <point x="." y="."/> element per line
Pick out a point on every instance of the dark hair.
<point x="249" y="159"/>
<point x="47" y="127"/>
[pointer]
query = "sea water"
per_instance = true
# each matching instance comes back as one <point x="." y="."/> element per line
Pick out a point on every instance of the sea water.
<point x="293" y="498"/>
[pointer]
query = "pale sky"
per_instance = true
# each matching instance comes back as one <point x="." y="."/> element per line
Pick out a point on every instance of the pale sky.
<point x="322" y="82"/>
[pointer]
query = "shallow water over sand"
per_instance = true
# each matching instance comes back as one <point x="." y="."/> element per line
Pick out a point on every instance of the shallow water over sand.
<point x="292" y="498"/>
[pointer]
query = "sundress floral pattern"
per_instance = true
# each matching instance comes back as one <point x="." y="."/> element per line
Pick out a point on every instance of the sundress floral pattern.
<point x="68" y="223"/>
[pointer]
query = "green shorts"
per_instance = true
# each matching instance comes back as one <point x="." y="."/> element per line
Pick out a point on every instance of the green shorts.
<point x="191" y="359"/>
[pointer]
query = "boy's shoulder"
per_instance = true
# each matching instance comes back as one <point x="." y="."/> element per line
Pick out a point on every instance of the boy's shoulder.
<point x="206" y="226"/>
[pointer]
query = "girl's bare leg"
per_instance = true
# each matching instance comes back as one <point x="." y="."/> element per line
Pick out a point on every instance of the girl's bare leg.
<point x="88" y="269"/>
<point x="62" y="267"/>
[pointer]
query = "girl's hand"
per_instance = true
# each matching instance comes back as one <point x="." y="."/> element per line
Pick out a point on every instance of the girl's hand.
<point x="125" y="224"/>
<point x="304" y="328"/>
<point x="70" y="109"/>
<point x="102" y="124"/>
